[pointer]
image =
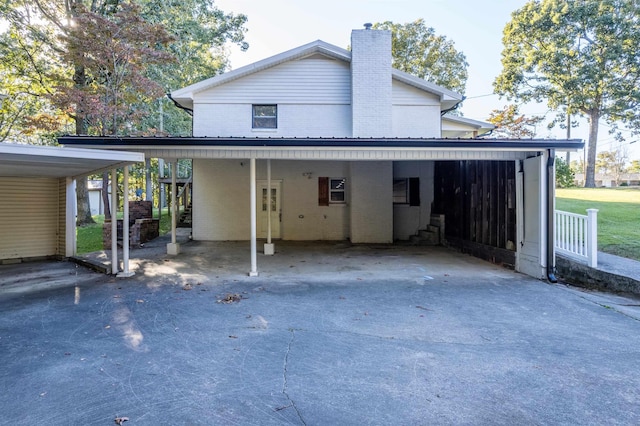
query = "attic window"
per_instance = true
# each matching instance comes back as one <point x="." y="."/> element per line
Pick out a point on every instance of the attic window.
<point x="265" y="117"/>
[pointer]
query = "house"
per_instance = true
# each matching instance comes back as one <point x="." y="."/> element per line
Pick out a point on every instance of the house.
<point x="37" y="189"/>
<point x="322" y="143"/>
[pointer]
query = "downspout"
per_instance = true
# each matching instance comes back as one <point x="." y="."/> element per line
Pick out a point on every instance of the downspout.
<point x="188" y="110"/>
<point x="453" y="107"/>
<point x="551" y="192"/>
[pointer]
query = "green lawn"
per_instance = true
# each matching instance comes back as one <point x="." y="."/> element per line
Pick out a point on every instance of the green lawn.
<point x="89" y="238"/>
<point x="618" y="216"/>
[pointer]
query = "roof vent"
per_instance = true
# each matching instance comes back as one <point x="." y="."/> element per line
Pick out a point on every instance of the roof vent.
<point x="368" y="26"/>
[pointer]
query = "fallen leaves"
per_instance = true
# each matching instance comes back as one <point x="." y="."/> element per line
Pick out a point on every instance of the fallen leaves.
<point x="230" y="298"/>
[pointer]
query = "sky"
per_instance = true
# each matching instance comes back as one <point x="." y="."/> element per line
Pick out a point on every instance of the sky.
<point x="475" y="27"/>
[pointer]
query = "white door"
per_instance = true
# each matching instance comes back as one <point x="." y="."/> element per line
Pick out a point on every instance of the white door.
<point x="268" y="205"/>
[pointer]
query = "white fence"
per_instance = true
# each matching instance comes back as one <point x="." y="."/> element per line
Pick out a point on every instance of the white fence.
<point x="577" y="235"/>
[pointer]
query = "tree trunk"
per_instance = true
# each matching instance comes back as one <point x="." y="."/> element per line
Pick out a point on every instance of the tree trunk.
<point x="84" y="210"/>
<point x="590" y="176"/>
<point x="105" y="195"/>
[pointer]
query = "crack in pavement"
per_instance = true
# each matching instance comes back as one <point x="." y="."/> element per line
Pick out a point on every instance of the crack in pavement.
<point x="284" y="377"/>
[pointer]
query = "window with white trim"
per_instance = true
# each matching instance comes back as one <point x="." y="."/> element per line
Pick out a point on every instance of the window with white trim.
<point x="331" y="191"/>
<point x="264" y="117"/>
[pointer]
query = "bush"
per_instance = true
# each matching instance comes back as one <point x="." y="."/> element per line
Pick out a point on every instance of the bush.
<point x="565" y="177"/>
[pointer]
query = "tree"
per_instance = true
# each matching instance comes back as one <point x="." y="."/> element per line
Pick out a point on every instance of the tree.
<point x="580" y="56"/>
<point x="511" y="124"/>
<point x="634" y="167"/>
<point x="417" y="50"/>
<point x="565" y="178"/>
<point x="611" y="163"/>
<point x="113" y="52"/>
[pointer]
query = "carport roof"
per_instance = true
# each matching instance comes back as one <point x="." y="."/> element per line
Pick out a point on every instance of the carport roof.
<point x="17" y="160"/>
<point x="293" y="142"/>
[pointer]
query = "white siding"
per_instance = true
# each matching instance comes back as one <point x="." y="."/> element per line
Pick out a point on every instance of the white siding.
<point x="221" y="200"/>
<point x="300" y="120"/>
<point x="313" y="80"/>
<point x="408" y="220"/>
<point x="416" y="121"/>
<point x="30" y="217"/>
<point x="404" y="94"/>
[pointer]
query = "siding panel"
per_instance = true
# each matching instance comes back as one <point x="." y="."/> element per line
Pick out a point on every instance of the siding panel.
<point x="320" y="81"/>
<point x="29" y="219"/>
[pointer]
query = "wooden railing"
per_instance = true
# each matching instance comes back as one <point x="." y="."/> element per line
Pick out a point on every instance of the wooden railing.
<point x="577" y="235"/>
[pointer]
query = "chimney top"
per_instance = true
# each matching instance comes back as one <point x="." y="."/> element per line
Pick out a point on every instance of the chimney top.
<point x="368" y="26"/>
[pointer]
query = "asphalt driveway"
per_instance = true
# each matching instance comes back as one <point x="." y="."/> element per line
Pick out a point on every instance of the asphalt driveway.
<point x="325" y="335"/>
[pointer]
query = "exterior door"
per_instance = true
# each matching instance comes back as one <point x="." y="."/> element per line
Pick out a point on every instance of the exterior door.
<point x="269" y="205"/>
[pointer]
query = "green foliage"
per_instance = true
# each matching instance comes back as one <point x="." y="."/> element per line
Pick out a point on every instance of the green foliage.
<point x="511" y="124"/>
<point x="611" y="163"/>
<point x="634" y="167"/>
<point x="565" y="178"/>
<point x="580" y="56"/>
<point x="618" y="230"/>
<point x="419" y="51"/>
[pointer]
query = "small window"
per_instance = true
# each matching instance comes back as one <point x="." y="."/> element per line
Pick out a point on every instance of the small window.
<point x="265" y="117"/>
<point x="331" y="191"/>
<point x="406" y="191"/>
<point x="336" y="191"/>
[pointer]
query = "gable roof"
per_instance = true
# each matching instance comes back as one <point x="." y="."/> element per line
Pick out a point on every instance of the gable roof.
<point x="185" y="96"/>
<point x="460" y="126"/>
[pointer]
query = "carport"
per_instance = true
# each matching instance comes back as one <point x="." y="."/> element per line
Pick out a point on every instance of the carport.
<point x="38" y="198"/>
<point x="511" y="193"/>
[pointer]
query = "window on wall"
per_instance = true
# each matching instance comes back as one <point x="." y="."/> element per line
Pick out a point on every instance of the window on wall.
<point x="265" y="117"/>
<point x="406" y="191"/>
<point x="331" y="191"/>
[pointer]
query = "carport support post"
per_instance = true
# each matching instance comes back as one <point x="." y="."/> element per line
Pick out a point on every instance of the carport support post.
<point x="268" y="247"/>
<point x="114" y="221"/>
<point x="173" y="247"/>
<point x="252" y="194"/>
<point x="70" y="246"/>
<point x="125" y="226"/>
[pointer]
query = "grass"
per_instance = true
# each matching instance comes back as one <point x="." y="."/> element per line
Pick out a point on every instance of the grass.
<point x="618" y="216"/>
<point x="89" y="237"/>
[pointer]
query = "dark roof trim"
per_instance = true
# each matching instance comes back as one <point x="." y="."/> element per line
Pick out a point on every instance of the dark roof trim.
<point x="184" y="142"/>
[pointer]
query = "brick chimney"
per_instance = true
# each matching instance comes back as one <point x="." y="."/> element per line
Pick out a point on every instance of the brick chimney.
<point x="371" y="83"/>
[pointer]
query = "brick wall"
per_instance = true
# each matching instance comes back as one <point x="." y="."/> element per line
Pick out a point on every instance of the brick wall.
<point x="371" y="94"/>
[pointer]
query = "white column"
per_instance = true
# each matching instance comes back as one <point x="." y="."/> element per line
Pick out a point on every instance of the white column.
<point x="70" y="246"/>
<point x="125" y="226"/>
<point x="173" y="247"/>
<point x="114" y="221"/>
<point x="252" y="194"/>
<point x="592" y="237"/>
<point x="269" y="248"/>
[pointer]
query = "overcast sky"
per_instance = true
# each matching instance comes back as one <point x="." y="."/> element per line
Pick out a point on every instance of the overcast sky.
<point x="474" y="26"/>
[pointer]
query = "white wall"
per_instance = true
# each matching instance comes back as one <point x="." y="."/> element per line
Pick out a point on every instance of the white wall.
<point x="408" y="220"/>
<point x="313" y="97"/>
<point x="221" y="200"/>
<point x="294" y="120"/>
<point x="531" y="253"/>
<point x="371" y="202"/>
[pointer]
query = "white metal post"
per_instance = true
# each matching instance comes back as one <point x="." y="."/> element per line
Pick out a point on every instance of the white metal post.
<point x="125" y="225"/>
<point x="268" y="247"/>
<point x="592" y="237"/>
<point x="252" y="194"/>
<point x="114" y="221"/>
<point x="70" y="248"/>
<point x="173" y="247"/>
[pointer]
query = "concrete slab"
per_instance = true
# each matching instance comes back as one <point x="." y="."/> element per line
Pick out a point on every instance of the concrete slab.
<point x="327" y="334"/>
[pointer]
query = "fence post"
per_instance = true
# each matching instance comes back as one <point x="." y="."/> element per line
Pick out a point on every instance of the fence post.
<point x="592" y="237"/>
